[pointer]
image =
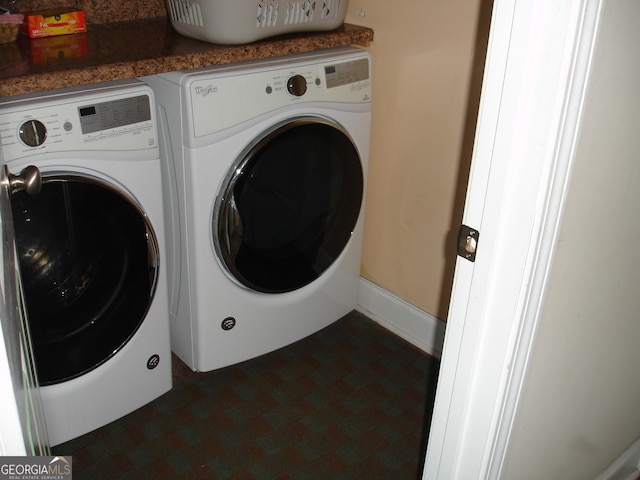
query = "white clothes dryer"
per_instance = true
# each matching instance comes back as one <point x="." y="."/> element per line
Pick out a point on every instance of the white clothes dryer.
<point x="84" y="172"/>
<point x="265" y="167"/>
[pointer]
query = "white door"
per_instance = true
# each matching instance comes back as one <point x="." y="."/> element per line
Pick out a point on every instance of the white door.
<point x="22" y="428"/>
<point x="537" y="63"/>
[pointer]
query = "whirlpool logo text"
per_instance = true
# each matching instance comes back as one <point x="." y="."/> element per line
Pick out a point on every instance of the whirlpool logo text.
<point x="204" y="91"/>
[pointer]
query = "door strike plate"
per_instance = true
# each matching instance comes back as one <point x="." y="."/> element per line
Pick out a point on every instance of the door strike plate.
<point x="468" y="242"/>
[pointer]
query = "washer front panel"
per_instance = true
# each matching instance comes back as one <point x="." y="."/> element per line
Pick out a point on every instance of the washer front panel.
<point x="121" y="154"/>
<point x="216" y="319"/>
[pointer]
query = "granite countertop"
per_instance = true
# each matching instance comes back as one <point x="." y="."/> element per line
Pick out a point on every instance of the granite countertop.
<point x="135" y="48"/>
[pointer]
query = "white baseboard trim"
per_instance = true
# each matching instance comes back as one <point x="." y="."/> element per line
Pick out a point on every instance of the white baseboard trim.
<point x="400" y="317"/>
<point x="627" y="465"/>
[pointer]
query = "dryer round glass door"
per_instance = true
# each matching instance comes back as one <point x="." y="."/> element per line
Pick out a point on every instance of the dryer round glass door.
<point x="88" y="261"/>
<point x="289" y="205"/>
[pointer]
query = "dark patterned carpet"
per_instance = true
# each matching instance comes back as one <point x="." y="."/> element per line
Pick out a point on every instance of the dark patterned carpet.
<point x="349" y="402"/>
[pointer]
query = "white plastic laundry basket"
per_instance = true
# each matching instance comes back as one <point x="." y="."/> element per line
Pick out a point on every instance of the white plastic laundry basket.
<point x="244" y="21"/>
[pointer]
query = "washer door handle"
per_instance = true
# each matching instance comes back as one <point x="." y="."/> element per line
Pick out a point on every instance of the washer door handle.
<point x="28" y="180"/>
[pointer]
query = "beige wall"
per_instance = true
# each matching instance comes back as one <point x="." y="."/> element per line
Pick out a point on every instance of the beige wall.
<point x="423" y="74"/>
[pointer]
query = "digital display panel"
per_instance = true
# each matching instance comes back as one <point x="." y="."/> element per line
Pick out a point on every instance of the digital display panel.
<point x="346" y="73"/>
<point x="87" y="111"/>
<point x="115" y="113"/>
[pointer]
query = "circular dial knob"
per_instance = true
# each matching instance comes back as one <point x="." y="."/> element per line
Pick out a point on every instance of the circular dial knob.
<point x="33" y="133"/>
<point x="297" y="85"/>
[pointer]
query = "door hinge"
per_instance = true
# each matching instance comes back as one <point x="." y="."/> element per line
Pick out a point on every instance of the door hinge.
<point x="468" y="242"/>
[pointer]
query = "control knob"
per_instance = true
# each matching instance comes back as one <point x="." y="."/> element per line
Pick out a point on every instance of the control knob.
<point x="33" y="133"/>
<point x="297" y="85"/>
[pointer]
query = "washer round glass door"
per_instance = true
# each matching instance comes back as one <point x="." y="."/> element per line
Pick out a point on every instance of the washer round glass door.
<point x="88" y="261"/>
<point x="289" y="205"/>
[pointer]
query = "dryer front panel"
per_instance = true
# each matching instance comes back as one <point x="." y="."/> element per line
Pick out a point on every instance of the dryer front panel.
<point x="289" y="205"/>
<point x="89" y="263"/>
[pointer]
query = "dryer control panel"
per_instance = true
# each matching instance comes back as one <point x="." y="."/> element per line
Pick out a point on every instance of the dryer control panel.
<point x="114" y="122"/>
<point x="220" y="100"/>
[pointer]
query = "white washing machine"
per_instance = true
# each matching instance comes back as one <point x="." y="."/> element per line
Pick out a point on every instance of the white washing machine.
<point x="265" y="167"/>
<point x="85" y="176"/>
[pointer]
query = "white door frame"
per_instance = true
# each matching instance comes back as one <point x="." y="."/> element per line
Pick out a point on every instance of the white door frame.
<point x="537" y="66"/>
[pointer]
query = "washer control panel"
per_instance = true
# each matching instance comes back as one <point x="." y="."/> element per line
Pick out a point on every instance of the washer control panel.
<point x="113" y="123"/>
<point x="220" y="100"/>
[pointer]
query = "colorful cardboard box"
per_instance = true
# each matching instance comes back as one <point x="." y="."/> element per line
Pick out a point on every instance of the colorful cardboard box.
<point x="47" y="23"/>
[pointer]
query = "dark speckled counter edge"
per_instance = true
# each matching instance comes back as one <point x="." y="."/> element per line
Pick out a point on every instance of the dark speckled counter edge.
<point x="183" y="54"/>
